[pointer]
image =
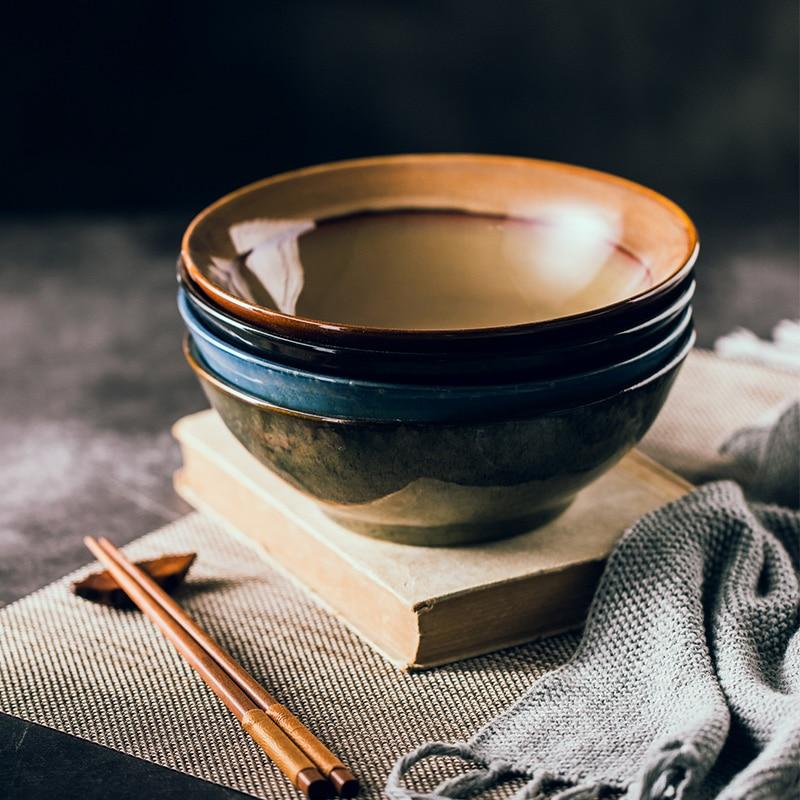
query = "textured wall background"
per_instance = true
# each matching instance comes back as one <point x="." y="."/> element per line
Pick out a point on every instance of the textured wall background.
<point x="162" y="104"/>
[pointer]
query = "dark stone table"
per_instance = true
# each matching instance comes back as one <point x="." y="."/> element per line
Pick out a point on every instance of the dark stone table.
<point x="93" y="379"/>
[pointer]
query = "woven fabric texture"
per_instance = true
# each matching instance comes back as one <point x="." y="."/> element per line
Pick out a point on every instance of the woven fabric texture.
<point x="770" y="458"/>
<point x="692" y="643"/>
<point x="108" y="676"/>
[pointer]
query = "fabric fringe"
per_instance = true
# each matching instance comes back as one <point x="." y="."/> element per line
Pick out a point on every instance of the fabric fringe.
<point x="668" y="773"/>
<point x="585" y="791"/>
<point x="783" y="352"/>
<point x="534" y="788"/>
<point x="480" y="780"/>
<point x="471" y="782"/>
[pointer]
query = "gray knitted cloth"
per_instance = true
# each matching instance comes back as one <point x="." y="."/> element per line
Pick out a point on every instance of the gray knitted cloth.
<point x="687" y="680"/>
<point x="769" y="459"/>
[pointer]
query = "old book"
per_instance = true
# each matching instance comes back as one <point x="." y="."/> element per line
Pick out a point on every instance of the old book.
<point x="422" y="606"/>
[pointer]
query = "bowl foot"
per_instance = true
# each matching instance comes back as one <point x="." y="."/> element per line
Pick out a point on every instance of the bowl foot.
<point x="458" y="534"/>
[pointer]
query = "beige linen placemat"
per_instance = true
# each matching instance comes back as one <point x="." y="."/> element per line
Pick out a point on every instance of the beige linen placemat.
<point x="108" y="676"/>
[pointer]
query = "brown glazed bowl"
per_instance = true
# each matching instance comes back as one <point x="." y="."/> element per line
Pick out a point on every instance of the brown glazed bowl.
<point x="442" y="253"/>
<point x="434" y="483"/>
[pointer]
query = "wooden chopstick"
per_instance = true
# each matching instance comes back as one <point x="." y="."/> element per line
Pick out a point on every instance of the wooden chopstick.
<point x="337" y="773"/>
<point x="289" y="758"/>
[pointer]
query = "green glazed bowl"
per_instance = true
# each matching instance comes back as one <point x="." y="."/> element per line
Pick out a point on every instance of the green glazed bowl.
<point x="437" y="483"/>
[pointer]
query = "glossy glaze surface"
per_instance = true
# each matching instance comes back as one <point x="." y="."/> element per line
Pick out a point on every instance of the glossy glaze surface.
<point x="334" y="396"/>
<point x="493" y="243"/>
<point x="429" y="270"/>
<point x="477" y="364"/>
<point x="442" y="484"/>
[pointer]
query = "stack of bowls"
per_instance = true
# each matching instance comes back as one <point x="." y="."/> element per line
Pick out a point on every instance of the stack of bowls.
<point x="439" y="349"/>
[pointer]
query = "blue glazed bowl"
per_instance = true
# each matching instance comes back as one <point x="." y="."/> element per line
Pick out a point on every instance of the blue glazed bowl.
<point x="479" y="364"/>
<point x="343" y="398"/>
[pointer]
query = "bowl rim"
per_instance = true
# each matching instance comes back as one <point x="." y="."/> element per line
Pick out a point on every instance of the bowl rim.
<point x="204" y="375"/>
<point x="197" y="329"/>
<point x="310" y="326"/>
<point x="242" y="327"/>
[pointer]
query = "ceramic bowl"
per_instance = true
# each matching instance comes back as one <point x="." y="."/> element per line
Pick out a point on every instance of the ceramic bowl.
<point x="334" y="396"/>
<point x="477" y="365"/>
<point x="442" y="483"/>
<point x="441" y="251"/>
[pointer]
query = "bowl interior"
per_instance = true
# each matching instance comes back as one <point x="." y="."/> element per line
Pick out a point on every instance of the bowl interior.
<point x="426" y="243"/>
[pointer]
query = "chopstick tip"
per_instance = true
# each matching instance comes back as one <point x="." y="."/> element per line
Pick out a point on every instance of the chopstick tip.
<point x="345" y="783"/>
<point x="313" y="785"/>
<point x="93" y="547"/>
